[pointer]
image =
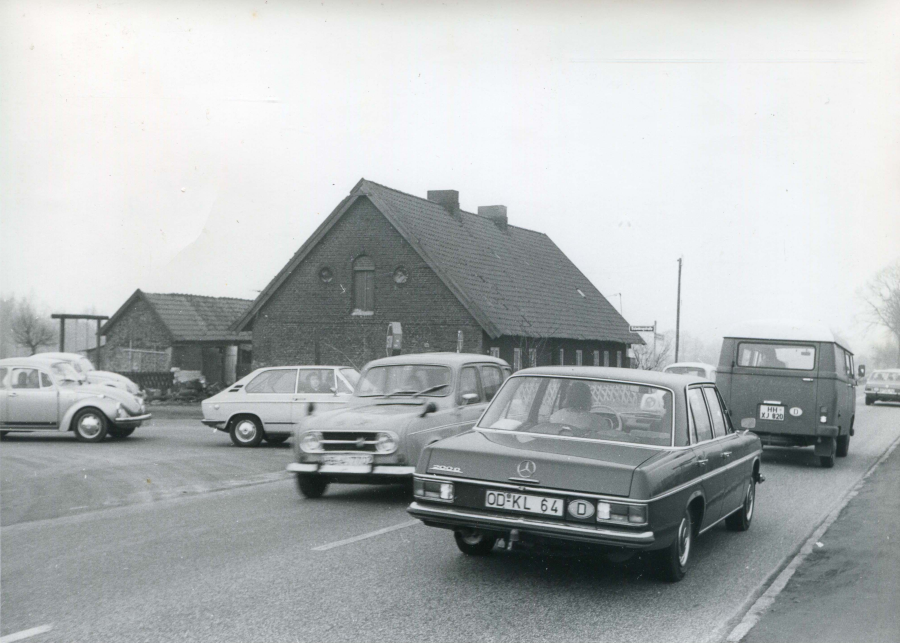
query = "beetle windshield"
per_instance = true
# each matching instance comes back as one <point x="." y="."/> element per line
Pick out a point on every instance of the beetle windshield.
<point x="65" y="374"/>
<point x="592" y="409"/>
<point x="405" y="379"/>
<point x="84" y="365"/>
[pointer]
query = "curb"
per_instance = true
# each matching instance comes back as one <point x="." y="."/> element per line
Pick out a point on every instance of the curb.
<point x="765" y="594"/>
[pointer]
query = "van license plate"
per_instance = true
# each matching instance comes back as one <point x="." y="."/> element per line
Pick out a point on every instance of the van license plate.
<point x="769" y="412"/>
<point x="521" y="502"/>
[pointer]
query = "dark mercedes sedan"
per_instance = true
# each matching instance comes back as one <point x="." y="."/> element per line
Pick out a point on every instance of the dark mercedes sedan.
<point x="627" y="460"/>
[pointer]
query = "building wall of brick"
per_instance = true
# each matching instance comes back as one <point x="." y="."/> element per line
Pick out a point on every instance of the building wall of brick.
<point x="307" y="321"/>
<point x="138" y="329"/>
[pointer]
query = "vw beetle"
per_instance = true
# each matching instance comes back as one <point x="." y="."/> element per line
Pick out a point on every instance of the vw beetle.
<point x="627" y="460"/>
<point x="40" y="394"/>
<point x="401" y="404"/>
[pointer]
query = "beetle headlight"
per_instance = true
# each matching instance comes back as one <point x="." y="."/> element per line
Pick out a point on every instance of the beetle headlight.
<point x="385" y="443"/>
<point x="120" y="411"/>
<point x="311" y="442"/>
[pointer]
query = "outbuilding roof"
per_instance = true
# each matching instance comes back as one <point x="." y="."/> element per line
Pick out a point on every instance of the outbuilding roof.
<point x="191" y="318"/>
<point x="513" y="281"/>
<point x="786" y="329"/>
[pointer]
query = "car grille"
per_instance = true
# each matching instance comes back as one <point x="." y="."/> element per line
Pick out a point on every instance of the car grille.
<point x="360" y="441"/>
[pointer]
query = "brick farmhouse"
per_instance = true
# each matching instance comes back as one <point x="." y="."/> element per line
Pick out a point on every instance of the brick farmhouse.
<point x="453" y="279"/>
<point x="154" y="332"/>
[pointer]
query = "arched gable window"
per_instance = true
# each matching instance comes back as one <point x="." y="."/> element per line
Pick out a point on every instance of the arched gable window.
<point x="363" y="285"/>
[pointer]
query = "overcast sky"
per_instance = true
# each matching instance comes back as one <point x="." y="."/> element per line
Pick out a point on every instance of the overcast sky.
<point x="194" y="146"/>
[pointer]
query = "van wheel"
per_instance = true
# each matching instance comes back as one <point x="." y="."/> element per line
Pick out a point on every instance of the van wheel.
<point x="311" y="485"/>
<point x="246" y="432"/>
<point x="740" y="519"/>
<point x="827" y="461"/>
<point x="843" y="446"/>
<point x="90" y="425"/>
<point x="473" y="542"/>
<point x="869" y="401"/>
<point x="674" y="559"/>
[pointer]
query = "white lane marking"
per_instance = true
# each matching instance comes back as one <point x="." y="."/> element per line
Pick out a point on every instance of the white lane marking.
<point x="756" y="611"/>
<point x="25" y="634"/>
<point x="371" y="534"/>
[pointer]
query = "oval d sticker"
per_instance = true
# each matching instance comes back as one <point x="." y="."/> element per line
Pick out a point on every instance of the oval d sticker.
<point x="796" y="411"/>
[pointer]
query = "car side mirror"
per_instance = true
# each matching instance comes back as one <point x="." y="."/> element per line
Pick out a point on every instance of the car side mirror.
<point x="333" y="389"/>
<point x="861" y="370"/>
<point x="311" y="408"/>
<point x="431" y="407"/>
<point x="469" y="398"/>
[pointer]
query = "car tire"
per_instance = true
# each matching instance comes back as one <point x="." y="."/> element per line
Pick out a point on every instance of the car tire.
<point x="740" y="519"/>
<point x="90" y="425"/>
<point x="119" y="434"/>
<point x="674" y="559"/>
<point x="827" y="461"/>
<point x="246" y="432"/>
<point x="473" y="542"/>
<point x="843" y="446"/>
<point x="311" y="485"/>
<point x="276" y="439"/>
<point x="869" y="400"/>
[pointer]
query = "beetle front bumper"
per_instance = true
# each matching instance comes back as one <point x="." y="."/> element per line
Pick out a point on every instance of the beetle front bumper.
<point x="132" y="420"/>
<point x="451" y="518"/>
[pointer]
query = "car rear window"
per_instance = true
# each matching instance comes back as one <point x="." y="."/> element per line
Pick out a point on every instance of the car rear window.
<point x="686" y="370"/>
<point x="801" y="357"/>
<point x="587" y="409"/>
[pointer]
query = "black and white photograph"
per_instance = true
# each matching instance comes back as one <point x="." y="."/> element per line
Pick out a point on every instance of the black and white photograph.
<point x="465" y="321"/>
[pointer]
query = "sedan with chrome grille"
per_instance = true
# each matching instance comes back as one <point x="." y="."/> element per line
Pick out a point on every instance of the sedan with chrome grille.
<point x="625" y="460"/>
<point x="401" y="405"/>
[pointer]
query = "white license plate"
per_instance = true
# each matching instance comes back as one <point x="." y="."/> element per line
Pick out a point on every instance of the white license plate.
<point x="769" y="412"/>
<point x="347" y="460"/>
<point x="522" y="502"/>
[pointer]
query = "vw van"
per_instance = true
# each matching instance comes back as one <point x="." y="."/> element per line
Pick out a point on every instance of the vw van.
<point x="791" y="383"/>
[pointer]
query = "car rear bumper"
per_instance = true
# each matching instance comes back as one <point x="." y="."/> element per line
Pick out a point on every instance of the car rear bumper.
<point x="337" y="470"/>
<point x="450" y="518"/>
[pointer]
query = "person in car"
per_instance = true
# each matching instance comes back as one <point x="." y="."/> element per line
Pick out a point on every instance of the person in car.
<point x="577" y="409"/>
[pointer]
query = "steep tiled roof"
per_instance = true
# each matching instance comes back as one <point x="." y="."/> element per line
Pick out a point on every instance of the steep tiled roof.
<point x="513" y="281"/>
<point x="193" y="317"/>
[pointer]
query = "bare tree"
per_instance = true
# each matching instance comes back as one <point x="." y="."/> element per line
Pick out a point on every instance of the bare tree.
<point x="29" y="329"/>
<point x="649" y="360"/>
<point x="882" y="298"/>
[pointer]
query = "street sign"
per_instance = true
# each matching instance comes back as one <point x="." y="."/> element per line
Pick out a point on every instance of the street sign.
<point x="642" y="329"/>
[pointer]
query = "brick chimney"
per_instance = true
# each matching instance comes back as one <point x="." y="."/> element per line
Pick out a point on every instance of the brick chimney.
<point x="447" y="199"/>
<point x="496" y="213"/>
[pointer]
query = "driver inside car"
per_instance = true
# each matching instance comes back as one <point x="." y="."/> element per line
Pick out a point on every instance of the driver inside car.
<point x="576" y="412"/>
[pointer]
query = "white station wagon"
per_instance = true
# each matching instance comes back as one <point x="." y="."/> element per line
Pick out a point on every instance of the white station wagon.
<point x="267" y="403"/>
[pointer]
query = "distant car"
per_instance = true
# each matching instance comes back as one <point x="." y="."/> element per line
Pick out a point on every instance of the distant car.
<point x="403" y="404"/>
<point x="698" y="369"/>
<point x="627" y="460"/>
<point x="41" y="394"/>
<point x="103" y="378"/>
<point x="883" y="386"/>
<point x="267" y="403"/>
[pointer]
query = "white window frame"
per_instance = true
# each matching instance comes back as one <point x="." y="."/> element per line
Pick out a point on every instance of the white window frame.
<point x="606" y="358"/>
<point x="495" y="351"/>
<point x="618" y="359"/>
<point x="596" y="358"/>
<point x="562" y="356"/>
<point x="532" y="357"/>
<point x="517" y="359"/>
<point x="578" y="357"/>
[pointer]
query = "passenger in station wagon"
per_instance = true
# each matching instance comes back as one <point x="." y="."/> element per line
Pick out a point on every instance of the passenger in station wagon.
<point x="577" y="409"/>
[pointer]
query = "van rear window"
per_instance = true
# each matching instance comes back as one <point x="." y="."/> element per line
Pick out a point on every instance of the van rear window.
<point x="788" y="356"/>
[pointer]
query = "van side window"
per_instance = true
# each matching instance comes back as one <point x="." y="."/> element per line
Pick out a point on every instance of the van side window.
<point x="715" y="410"/>
<point x="787" y="356"/>
<point x="702" y="425"/>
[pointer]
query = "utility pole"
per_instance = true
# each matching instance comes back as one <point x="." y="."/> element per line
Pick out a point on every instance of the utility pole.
<point x="678" y="312"/>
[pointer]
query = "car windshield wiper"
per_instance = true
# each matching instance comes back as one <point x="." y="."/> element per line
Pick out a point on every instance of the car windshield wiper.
<point x="430" y="389"/>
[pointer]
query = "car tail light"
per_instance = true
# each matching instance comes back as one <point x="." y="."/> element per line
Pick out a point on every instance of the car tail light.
<point x="622" y="513"/>
<point x="433" y="490"/>
<point x="823" y="414"/>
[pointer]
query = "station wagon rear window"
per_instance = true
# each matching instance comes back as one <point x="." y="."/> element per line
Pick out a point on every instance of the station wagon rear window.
<point x="587" y="409"/>
<point x="405" y="379"/>
<point x="798" y="357"/>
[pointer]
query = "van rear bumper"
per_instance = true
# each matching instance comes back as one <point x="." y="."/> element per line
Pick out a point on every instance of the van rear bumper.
<point x="796" y="438"/>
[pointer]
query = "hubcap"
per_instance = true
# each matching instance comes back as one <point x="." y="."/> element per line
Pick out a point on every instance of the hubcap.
<point x="89" y="426"/>
<point x="245" y="431"/>
<point x="749" y="502"/>
<point x="471" y="537"/>
<point x="684" y="541"/>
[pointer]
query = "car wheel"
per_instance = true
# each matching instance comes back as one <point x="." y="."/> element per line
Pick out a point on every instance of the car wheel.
<point x="311" y="485"/>
<point x="674" y="559"/>
<point x="118" y="433"/>
<point x="276" y="439"/>
<point x="740" y="519"/>
<point x="90" y="425"/>
<point x="843" y="446"/>
<point x="869" y="400"/>
<point x="473" y="542"/>
<point x="246" y="432"/>
<point x="827" y="461"/>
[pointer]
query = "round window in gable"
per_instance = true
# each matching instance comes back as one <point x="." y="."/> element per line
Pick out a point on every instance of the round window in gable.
<point x="401" y="275"/>
<point x="325" y="275"/>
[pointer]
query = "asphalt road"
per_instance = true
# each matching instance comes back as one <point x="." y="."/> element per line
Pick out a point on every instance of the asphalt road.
<point x="223" y="548"/>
